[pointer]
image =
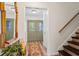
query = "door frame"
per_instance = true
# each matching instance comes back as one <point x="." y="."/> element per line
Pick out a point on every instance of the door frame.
<point x="28" y="29"/>
<point x="45" y="16"/>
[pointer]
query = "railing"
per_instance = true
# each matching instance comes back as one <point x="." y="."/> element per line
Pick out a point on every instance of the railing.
<point x="69" y="22"/>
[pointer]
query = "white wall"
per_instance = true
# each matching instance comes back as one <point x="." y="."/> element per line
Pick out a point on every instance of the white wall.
<point x="58" y="15"/>
<point x="22" y="26"/>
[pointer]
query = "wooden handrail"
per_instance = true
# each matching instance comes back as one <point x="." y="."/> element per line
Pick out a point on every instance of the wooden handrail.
<point x="69" y="21"/>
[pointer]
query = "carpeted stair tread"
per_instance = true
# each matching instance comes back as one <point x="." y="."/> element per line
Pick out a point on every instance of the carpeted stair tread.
<point x="75" y="51"/>
<point x="62" y="52"/>
<point x="73" y="42"/>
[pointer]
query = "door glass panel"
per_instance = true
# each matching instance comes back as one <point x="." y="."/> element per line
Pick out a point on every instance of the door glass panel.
<point x="8" y="25"/>
<point x="40" y="26"/>
<point x="32" y="26"/>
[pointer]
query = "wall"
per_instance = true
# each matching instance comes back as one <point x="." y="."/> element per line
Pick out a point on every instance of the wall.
<point x="22" y="25"/>
<point x="58" y="15"/>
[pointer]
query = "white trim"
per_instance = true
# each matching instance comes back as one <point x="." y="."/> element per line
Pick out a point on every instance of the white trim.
<point x="44" y="29"/>
<point x="14" y="26"/>
<point x="54" y="54"/>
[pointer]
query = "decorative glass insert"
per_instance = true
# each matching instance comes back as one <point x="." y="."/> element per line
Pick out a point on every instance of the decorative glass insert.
<point x="8" y="25"/>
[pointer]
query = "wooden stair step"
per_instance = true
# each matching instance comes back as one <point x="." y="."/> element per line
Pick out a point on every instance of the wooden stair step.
<point x="75" y="51"/>
<point x="62" y="52"/>
<point x="76" y="32"/>
<point x="75" y="37"/>
<point x="73" y="42"/>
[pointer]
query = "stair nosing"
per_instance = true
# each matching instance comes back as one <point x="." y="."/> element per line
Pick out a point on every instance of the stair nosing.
<point x="71" y="53"/>
<point x="77" y="32"/>
<point x="75" y="37"/>
<point x="64" y="54"/>
<point x="73" y="42"/>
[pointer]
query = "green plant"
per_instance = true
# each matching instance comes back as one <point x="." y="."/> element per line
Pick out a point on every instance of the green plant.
<point x="13" y="50"/>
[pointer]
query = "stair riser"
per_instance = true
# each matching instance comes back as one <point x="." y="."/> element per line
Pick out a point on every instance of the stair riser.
<point x="73" y="54"/>
<point x="76" y="40"/>
<point x="74" y="46"/>
<point x="77" y="35"/>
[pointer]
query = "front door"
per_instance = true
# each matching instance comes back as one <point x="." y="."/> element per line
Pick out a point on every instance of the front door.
<point x="35" y="30"/>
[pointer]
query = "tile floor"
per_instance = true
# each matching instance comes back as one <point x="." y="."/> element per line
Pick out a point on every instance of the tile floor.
<point x="35" y="49"/>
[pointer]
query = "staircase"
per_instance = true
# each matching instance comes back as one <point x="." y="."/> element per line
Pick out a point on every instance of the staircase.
<point x="72" y="49"/>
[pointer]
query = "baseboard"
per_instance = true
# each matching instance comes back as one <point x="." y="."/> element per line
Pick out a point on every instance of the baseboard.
<point x="54" y="54"/>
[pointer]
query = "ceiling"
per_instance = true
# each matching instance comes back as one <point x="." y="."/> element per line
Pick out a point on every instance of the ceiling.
<point x="34" y="12"/>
